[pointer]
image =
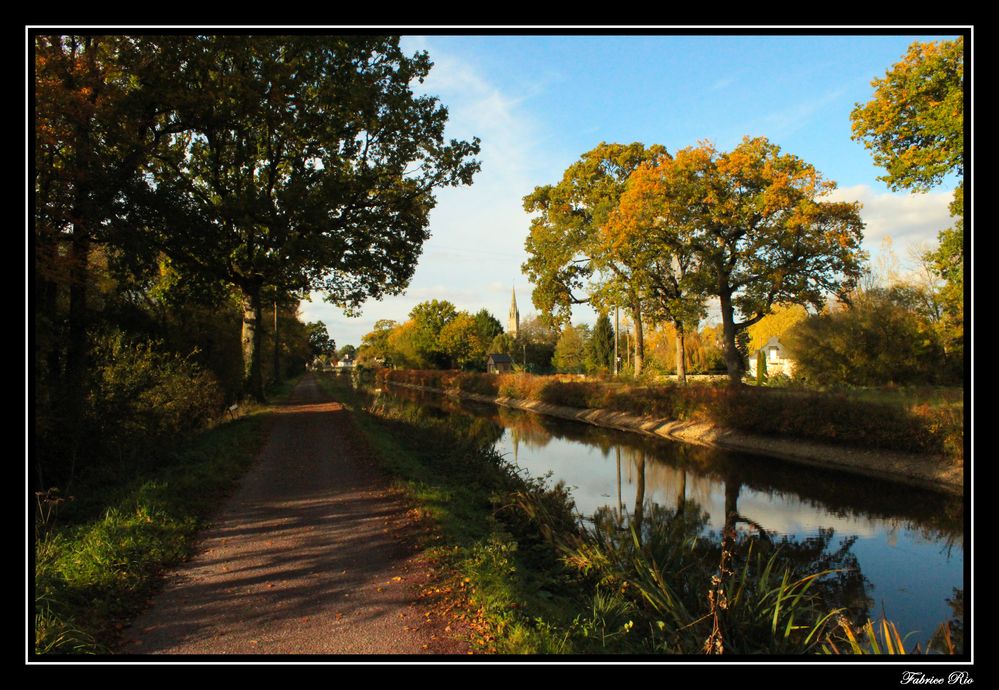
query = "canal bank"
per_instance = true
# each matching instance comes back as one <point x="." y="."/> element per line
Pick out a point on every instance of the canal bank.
<point x="923" y="471"/>
<point x="902" y="546"/>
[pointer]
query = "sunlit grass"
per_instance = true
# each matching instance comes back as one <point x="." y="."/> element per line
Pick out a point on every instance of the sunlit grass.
<point x="97" y="562"/>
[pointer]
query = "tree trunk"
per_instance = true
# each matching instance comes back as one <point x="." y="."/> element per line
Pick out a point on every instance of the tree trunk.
<point x="639" y="496"/>
<point x="636" y="314"/>
<point x="681" y="364"/>
<point x="77" y="349"/>
<point x="277" y="346"/>
<point x="253" y="382"/>
<point x="733" y="362"/>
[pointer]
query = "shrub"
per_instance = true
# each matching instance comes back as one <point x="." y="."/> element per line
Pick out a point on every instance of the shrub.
<point x="142" y="400"/>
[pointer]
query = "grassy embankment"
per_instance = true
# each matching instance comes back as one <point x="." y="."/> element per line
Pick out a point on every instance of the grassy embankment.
<point x="98" y="557"/>
<point x="534" y="580"/>
<point x="928" y="421"/>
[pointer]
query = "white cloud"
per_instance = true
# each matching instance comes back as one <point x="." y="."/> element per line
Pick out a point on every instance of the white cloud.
<point x="477" y="232"/>
<point x="909" y="219"/>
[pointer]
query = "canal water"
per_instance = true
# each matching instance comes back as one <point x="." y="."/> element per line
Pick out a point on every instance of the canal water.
<point x="908" y="544"/>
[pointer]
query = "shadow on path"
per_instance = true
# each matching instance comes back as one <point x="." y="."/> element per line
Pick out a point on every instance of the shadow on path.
<point x="312" y="555"/>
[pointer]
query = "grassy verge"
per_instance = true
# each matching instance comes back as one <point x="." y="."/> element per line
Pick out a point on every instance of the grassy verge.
<point x="98" y="558"/>
<point x="920" y="422"/>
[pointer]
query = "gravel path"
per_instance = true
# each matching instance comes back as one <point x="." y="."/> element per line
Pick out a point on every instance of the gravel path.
<point x="312" y="555"/>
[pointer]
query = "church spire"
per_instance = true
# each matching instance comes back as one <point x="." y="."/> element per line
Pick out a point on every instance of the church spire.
<point x="513" y="323"/>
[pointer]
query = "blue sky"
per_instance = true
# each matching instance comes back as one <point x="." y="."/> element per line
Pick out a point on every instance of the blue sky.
<point x="539" y="102"/>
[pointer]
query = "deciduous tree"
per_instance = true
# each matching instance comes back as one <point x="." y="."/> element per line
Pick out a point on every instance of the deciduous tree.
<point x="763" y="233"/>
<point x="305" y="163"/>
<point x="914" y="128"/>
<point x="570" y="351"/>
<point x="567" y="261"/>
<point x="653" y="232"/>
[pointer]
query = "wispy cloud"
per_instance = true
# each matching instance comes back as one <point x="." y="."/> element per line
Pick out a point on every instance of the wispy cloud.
<point x="911" y="220"/>
<point x="477" y="232"/>
<point x="788" y="120"/>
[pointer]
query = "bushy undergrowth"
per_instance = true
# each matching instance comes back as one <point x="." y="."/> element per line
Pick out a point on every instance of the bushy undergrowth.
<point x="816" y="415"/>
<point x="142" y="398"/>
<point x="140" y="402"/>
<point x="98" y="558"/>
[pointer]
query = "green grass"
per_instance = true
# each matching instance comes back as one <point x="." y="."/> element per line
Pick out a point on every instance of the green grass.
<point x="99" y="558"/>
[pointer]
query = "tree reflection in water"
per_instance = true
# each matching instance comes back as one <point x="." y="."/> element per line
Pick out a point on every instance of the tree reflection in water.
<point x="705" y="591"/>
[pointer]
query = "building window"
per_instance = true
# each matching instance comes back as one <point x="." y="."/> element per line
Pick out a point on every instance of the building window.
<point x="773" y="354"/>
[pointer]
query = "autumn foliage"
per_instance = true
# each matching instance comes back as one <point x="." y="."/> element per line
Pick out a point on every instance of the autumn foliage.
<point x="835" y="418"/>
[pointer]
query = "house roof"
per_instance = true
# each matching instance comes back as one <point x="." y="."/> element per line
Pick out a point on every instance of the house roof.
<point x="498" y="358"/>
<point x="773" y="342"/>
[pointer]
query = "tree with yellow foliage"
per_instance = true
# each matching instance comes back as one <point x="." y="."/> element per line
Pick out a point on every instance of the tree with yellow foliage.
<point x="914" y="128"/>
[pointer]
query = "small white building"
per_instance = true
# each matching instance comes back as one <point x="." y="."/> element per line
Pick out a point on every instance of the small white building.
<point x="777" y="358"/>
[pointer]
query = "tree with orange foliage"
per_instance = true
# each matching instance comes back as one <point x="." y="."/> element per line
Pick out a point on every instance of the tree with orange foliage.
<point x="759" y="231"/>
<point x="651" y="232"/>
<point x="914" y="128"/>
<point x="566" y="253"/>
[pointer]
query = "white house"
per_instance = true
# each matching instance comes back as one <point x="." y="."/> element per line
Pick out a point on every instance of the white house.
<point x="778" y="361"/>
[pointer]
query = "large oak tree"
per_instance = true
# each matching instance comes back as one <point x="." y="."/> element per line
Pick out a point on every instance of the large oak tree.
<point x="301" y="163"/>
<point x="762" y="232"/>
<point x="651" y="231"/>
<point x="566" y="255"/>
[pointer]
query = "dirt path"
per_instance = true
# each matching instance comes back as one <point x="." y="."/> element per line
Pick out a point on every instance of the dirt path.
<point x="312" y="555"/>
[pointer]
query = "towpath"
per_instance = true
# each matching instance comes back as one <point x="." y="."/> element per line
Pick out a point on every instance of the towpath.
<point x="313" y="554"/>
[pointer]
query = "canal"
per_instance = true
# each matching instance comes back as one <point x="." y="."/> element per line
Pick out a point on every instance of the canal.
<point x="905" y="546"/>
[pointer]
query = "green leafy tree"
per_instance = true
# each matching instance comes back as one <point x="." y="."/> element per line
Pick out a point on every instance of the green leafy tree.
<point x="568" y="263"/>
<point x="429" y="320"/>
<point x="375" y="349"/>
<point x="570" y="351"/>
<point x="535" y="344"/>
<point x="914" y="128"/>
<point x="503" y="344"/>
<point x="600" y="347"/>
<point x="879" y="339"/>
<point x="305" y="163"/>
<point x="407" y="347"/>
<point x="97" y="117"/>
<point x="461" y="343"/>
<point x="320" y="342"/>
<point x="487" y="326"/>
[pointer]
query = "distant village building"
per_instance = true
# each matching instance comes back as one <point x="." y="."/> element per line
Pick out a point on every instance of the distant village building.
<point x="513" y="323"/>
<point x="777" y="358"/>
<point x="345" y="363"/>
<point x="498" y="363"/>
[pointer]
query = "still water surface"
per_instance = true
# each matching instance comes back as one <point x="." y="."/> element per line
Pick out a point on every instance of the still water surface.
<point x="909" y="543"/>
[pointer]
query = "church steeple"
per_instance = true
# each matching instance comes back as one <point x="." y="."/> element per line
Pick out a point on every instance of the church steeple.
<point x="513" y="323"/>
